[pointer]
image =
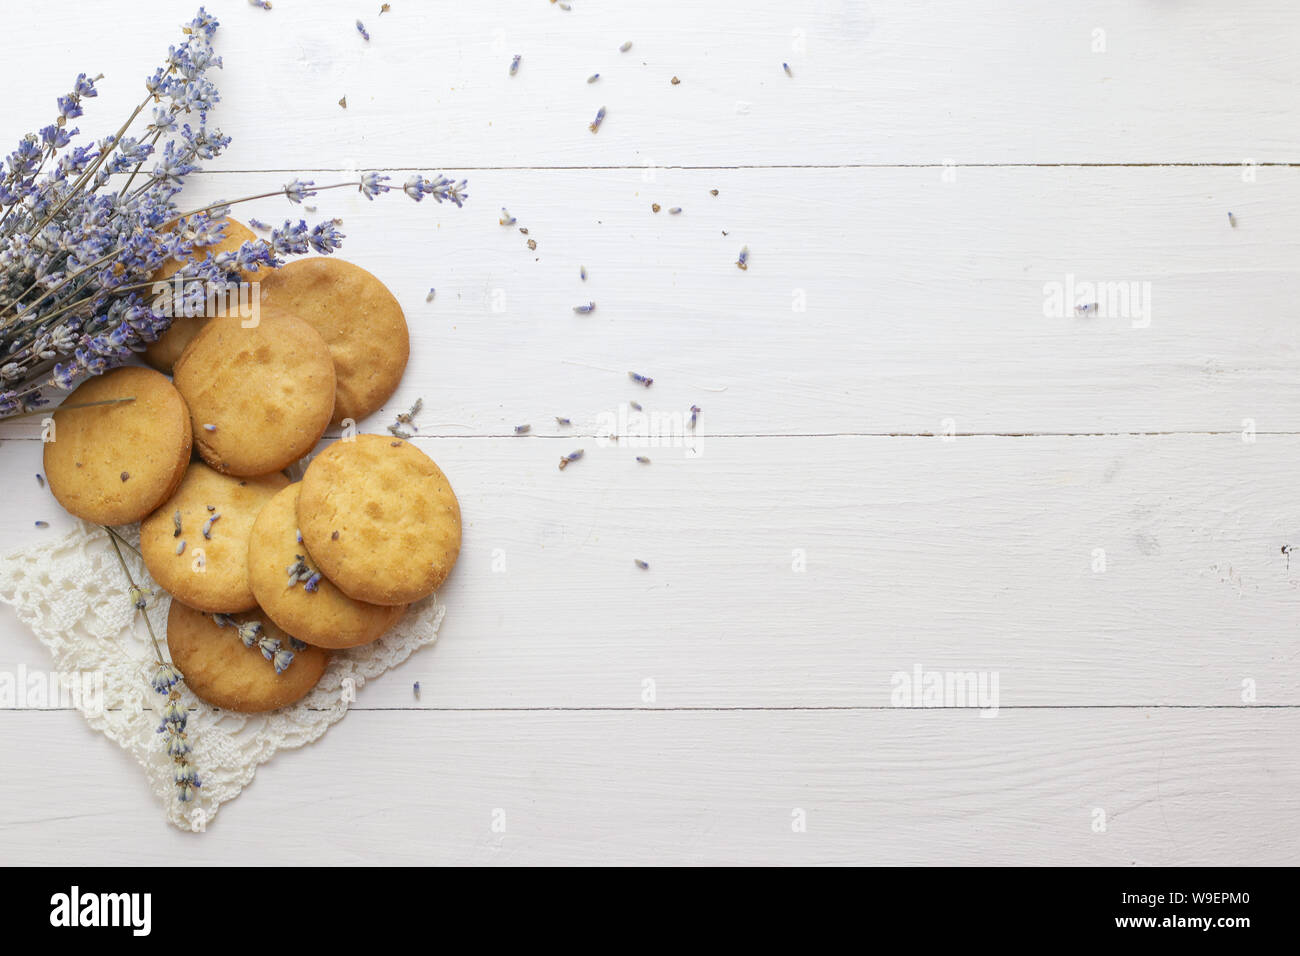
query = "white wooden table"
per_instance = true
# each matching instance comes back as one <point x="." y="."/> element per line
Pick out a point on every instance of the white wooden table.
<point x="908" y="456"/>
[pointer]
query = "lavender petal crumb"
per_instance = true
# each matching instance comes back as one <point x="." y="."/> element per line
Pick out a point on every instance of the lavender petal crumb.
<point x="643" y="565"/>
<point x="584" y="309"/>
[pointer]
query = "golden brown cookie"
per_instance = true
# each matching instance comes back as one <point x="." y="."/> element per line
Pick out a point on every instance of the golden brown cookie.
<point x="163" y="353"/>
<point x="380" y="519"/>
<point x="224" y="671"/>
<point x="201" y="557"/>
<point x="259" y="397"/>
<point x="324" y="615"/>
<point x="359" y="319"/>
<point x="113" y="464"/>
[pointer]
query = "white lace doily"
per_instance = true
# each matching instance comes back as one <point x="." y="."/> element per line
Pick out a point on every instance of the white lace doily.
<point x="72" y="593"/>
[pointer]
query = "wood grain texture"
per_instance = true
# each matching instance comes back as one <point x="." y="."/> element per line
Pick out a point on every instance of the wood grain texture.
<point x="908" y="197"/>
<point x="876" y="301"/>
<point x="892" y="787"/>
<point x="999" y="81"/>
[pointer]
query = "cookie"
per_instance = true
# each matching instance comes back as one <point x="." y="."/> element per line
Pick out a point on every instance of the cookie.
<point x="380" y="519"/>
<point x="203" y="560"/>
<point x="359" y="319"/>
<point x="163" y="353"/>
<point x="114" y="464"/>
<point x="323" y="616"/>
<point x="226" y="673"/>
<point x="259" y="397"/>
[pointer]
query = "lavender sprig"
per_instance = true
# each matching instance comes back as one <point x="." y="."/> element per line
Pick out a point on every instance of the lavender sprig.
<point x="77" y="257"/>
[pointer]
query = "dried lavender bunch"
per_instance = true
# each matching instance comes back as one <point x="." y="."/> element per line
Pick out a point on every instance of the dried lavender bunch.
<point x="78" y="250"/>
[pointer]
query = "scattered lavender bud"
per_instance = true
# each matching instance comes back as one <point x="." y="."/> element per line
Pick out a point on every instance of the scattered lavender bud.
<point x="643" y="459"/>
<point x="655" y="207"/>
<point x="42" y="524"/>
<point x="523" y="429"/>
<point x="432" y="293"/>
<point x="297" y="534"/>
<point x="176" y="522"/>
<point x="523" y="230"/>
<point x="640" y="379"/>
<point x="625" y="47"/>
<point x="126" y="476"/>
<point x="1232" y="220"/>
<point x="582" y="273"/>
<point x="40" y="479"/>
<point x="566" y="7"/>
<point x="382" y="10"/>
<point x="296" y="644"/>
<point x="743" y="261"/>
<point x="344" y="102"/>
<point x="786" y="67"/>
<point x="1086" y="309"/>
<point x="180" y="548"/>
<point x="674" y="81"/>
<point x="532" y="244"/>
<point x="713" y="192"/>
<point x="397" y="431"/>
<point x="209" y="428"/>
<point x="312" y="583"/>
<point x="211" y="508"/>
<point x="507" y="219"/>
<point x="261" y="5"/>
<point x="514" y="64"/>
<point x="695" y="415"/>
<point x="570" y="457"/>
<point x="636" y="406"/>
<point x="562" y="421"/>
<point x="415" y="689"/>
<point x="584" y="309"/>
<point x="593" y="78"/>
<point x="334" y="536"/>
<point x="676" y="210"/>
<point x="600" y="118"/>
<point x="361" y="28"/>
<point x="643" y="565"/>
<point x="258" y="225"/>
<point x="207" y="525"/>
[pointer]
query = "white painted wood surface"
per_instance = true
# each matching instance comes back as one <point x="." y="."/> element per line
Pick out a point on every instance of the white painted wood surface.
<point x="821" y="434"/>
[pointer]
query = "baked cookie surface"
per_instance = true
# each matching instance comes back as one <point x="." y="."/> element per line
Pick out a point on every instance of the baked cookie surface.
<point x="226" y="673"/>
<point x="163" y="353"/>
<point x="380" y="519"/>
<point x="267" y="392"/>
<point x="114" y="464"/>
<point x="323" y="616"/>
<point x="359" y="319"/>
<point x="201" y="558"/>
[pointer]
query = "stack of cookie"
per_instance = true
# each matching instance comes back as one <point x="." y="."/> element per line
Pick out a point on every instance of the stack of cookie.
<point x="267" y="576"/>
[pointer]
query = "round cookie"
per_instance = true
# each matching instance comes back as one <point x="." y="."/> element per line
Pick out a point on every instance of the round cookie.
<point x="359" y="319"/>
<point x="163" y="353"/>
<point x="207" y="572"/>
<point x="226" y="673"/>
<point x="266" y="391"/>
<point x="324" y="616"/>
<point x="114" y="464"/>
<point x="380" y="519"/>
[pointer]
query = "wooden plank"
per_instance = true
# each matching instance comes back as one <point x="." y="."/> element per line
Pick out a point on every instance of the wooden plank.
<point x="973" y="555"/>
<point x="891" y="787"/>
<point x="879" y="82"/>
<point x="877" y="301"/>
